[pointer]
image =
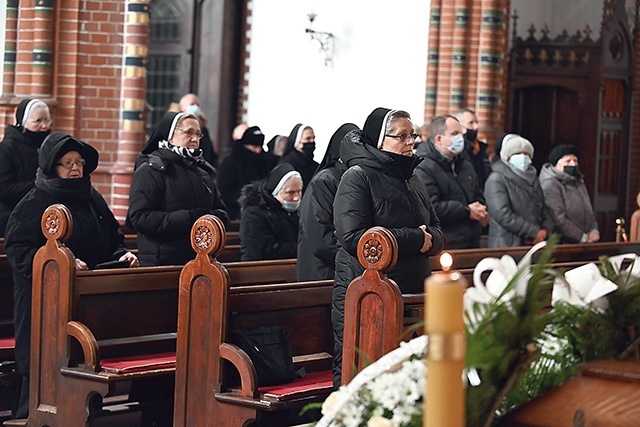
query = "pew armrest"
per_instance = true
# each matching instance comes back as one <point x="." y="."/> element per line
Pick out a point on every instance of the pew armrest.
<point x="242" y="362"/>
<point x="88" y="343"/>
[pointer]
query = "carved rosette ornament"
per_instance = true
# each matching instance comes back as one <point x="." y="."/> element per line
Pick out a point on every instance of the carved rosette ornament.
<point x="52" y="223"/>
<point x="373" y="251"/>
<point x="203" y="237"/>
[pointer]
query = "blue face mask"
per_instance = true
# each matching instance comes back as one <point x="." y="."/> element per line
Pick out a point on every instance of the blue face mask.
<point x="194" y="110"/>
<point x="520" y="161"/>
<point x="457" y="144"/>
<point x="290" y="206"/>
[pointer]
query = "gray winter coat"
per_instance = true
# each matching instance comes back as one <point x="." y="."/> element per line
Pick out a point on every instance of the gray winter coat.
<point x="516" y="208"/>
<point x="568" y="201"/>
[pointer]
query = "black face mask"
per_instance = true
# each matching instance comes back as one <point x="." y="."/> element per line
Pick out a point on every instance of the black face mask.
<point x="308" y="149"/>
<point x="471" y="135"/>
<point x="573" y="171"/>
<point x="35" y="137"/>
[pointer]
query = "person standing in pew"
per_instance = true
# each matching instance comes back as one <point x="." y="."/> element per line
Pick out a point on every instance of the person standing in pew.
<point x="269" y="218"/>
<point x="518" y="215"/>
<point x="299" y="150"/>
<point x="317" y="244"/>
<point x="63" y="176"/>
<point x="172" y="187"/>
<point x="19" y="154"/>
<point x="380" y="188"/>
<point x="452" y="184"/>
<point x="567" y="197"/>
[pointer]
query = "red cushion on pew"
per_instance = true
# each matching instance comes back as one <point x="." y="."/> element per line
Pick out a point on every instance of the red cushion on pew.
<point x="145" y="362"/>
<point x="312" y="384"/>
<point x="7" y="343"/>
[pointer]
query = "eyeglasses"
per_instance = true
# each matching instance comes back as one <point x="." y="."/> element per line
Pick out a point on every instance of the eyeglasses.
<point x="405" y="138"/>
<point x="39" y="121"/>
<point x="191" y="133"/>
<point x="68" y="164"/>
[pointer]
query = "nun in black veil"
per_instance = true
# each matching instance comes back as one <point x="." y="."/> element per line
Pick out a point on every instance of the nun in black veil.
<point x="172" y="187"/>
<point x="317" y="244"/>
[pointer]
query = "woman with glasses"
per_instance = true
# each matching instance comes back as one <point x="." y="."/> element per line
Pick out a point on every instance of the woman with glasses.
<point x="19" y="154"/>
<point x="380" y="188"/>
<point x="63" y="176"/>
<point x="172" y="187"/>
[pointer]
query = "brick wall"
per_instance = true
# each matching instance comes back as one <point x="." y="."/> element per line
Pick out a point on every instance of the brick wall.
<point x="71" y="54"/>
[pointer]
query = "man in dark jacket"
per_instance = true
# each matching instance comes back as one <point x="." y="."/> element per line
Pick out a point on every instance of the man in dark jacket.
<point x="246" y="163"/>
<point x="475" y="151"/>
<point x="452" y="184"/>
<point x="317" y="244"/>
<point x="381" y="189"/>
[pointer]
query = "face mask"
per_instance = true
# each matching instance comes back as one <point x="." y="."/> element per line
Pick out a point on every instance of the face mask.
<point x="290" y="206"/>
<point x="471" y="135"/>
<point x="457" y="144"/>
<point x="572" y="170"/>
<point x="37" y="137"/>
<point x="308" y="148"/>
<point x="193" y="110"/>
<point x="520" y="161"/>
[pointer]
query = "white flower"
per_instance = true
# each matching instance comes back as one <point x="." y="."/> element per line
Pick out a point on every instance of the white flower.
<point x="583" y="286"/>
<point x="378" y="421"/>
<point x="395" y="383"/>
<point x="503" y="271"/>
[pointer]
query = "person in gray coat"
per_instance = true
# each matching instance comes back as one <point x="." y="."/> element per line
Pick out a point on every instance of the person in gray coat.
<point x="514" y="197"/>
<point x="566" y="196"/>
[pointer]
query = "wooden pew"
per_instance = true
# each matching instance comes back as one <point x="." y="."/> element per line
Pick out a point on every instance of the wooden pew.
<point x="377" y="315"/>
<point x="8" y="377"/>
<point x="94" y="331"/>
<point x="208" y="297"/>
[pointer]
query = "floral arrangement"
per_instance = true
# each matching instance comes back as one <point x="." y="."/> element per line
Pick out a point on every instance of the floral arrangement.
<point x="528" y="329"/>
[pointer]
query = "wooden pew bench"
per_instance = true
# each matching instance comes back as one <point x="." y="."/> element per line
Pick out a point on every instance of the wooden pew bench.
<point x="210" y="301"/>
<point x="377" y="315"/>
<point x="93" y="332"/>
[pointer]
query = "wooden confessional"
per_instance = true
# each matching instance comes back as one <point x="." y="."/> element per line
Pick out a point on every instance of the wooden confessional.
<point x="574" y="89"/>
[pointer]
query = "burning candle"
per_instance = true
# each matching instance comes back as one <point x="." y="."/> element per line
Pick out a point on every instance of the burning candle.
<point x="444" y="323"/>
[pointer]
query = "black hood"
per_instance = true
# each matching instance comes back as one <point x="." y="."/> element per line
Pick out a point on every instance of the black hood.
<point x="332" y="155"/>
<point x="57" y="145"/>
<point x="163" y="131"/>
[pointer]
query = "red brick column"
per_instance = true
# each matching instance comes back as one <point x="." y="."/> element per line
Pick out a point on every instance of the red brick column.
<point x="11" y="24"/>
<point x="467" y="64"/>
<point x="493" y="46"/>
<point x="131" y="136"/>
<point x="43" y="36"/>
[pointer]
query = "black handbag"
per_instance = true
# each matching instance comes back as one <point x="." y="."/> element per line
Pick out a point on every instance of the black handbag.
<point x="269" y="350"/>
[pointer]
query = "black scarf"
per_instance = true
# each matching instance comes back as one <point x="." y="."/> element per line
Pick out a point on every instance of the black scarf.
<point x="405" y="163"/>
<point x="65" y="189"/>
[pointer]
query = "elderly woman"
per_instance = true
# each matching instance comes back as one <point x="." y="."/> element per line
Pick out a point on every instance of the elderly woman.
<point x="567" y="197"/>
<point x="514" y="198"/>
<point x="62" y="177"/>
<point x="19" y="154"/>
<point x="172" y="187"/>
<point x="380" y="188"/>
<point x="269" y="220"/>
<point x="299" y="150"/>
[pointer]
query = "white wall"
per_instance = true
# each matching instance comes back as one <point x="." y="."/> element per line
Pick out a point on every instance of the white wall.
<point x="380" y="60"/>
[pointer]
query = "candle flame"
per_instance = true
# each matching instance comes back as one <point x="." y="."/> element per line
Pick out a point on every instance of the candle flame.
<point x="446" y="261"/>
